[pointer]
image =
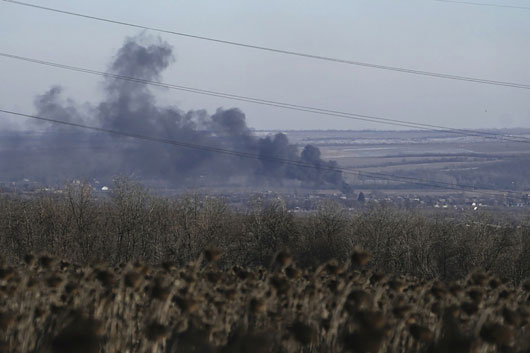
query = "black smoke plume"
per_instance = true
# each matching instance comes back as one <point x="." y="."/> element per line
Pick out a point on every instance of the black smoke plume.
<point x="60" y="152"/>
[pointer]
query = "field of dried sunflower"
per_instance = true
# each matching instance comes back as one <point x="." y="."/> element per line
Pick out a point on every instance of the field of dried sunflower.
<point x="49" y="305"/>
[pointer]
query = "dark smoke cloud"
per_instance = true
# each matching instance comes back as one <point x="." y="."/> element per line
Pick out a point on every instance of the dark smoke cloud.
<point x="63" y="152"/>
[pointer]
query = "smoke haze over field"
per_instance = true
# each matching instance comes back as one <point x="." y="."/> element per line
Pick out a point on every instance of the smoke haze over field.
<point x="64" y="152"/>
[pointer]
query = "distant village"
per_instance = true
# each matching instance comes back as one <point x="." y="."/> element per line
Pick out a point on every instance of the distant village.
<point x="307" y="200"/>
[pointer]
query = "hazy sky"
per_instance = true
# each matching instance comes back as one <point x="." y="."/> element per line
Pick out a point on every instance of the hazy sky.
<point x="485" y="42"/>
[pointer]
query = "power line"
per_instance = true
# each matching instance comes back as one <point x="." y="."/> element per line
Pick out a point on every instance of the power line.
<point x="283" y="105"/>
<point x="484" y="4"/>
<point x="282" y="51"/>
<point x="381" y="176"/>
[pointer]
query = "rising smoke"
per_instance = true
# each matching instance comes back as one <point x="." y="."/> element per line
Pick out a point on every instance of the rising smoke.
<point x="64" y="152"/>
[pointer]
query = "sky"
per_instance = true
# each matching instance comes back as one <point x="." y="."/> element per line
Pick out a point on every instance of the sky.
<point x="458" y="39"/>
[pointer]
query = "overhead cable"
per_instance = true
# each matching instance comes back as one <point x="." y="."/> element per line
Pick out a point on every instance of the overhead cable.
<point x="283" y="51"/>
<point x="485" y="4"/>
<point x="283" y="105"/>
<point x="380" y="176"/>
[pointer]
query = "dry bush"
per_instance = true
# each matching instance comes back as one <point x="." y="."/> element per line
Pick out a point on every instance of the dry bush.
<point x="134" y="224"/>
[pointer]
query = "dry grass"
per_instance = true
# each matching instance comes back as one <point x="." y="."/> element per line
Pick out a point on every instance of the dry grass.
<point x="49" y="305"/>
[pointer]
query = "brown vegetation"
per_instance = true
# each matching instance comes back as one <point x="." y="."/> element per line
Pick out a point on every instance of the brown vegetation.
<point x="137" y="307"/>
<point x="139" y="273"/>
<point x="133" y="224"/>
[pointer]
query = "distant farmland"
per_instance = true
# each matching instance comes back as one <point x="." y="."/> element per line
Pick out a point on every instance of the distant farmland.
<point x="426" y="154"/>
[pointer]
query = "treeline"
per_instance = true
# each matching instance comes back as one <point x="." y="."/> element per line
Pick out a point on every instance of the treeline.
<point x="135" y="224"/>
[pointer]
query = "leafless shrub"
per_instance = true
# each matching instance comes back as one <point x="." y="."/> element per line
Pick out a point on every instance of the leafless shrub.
<point x="134" y="224"/>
